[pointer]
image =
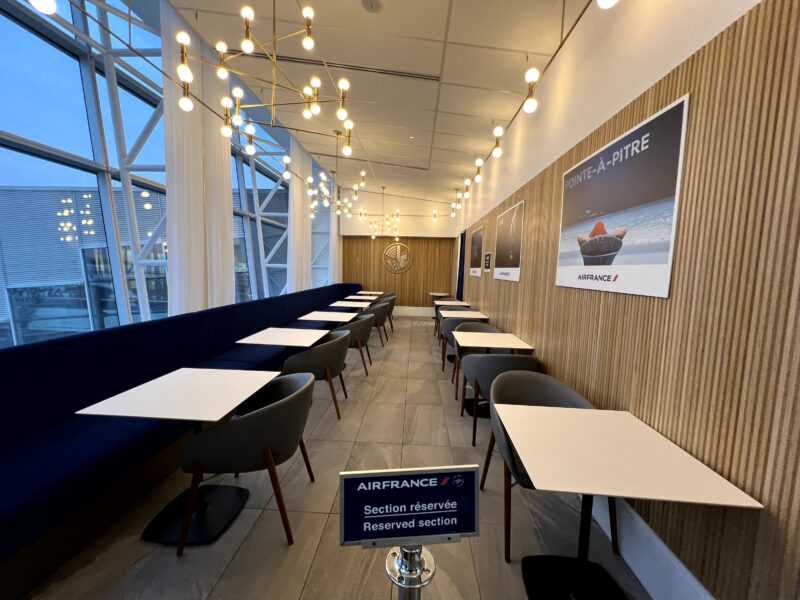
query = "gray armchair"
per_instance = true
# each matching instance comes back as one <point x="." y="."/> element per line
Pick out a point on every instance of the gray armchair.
<point x="472" y="326"/>
<point x="252" y="441"/>
<point x="381" y="312"/>
<point x="530" y="389"/>
<point x="480" y="371"/>
<point x="326" y="360"/>
<point x="360" y="329"/>
<point x="436" y="313"/>
<point x="448" y="326"/>
<point x="439" y="309"/>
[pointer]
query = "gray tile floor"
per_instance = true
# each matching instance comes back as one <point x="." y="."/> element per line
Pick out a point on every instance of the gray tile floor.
<point x="402" y="415"/>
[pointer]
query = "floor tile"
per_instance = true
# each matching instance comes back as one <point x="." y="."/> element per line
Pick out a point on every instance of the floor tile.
<point x="331" y="427"/>
<point x="423" y="391"/>
<point x="382" y="423"/>
<point x="424" y="426"/>
<point x="426" y="456"/>
<point x="389" y="390"/>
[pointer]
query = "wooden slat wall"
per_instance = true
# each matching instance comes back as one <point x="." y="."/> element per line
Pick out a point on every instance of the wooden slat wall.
<point x="431" y="268"/>
<point x="715" y="366"/>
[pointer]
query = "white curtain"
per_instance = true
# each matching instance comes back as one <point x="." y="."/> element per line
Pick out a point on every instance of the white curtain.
<point x="299" y="259"/>
<point x="335" y="252"/>
<point x="200" y="272"/>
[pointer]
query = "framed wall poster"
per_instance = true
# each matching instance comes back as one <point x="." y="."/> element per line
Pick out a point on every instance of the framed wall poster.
<point x="508" y="245"/>
<point x="476" y="252"/>
<point x="619" y="209"/>
<point x="487" y="262"/>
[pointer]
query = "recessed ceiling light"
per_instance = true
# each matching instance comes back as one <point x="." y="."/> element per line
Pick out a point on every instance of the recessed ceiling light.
<point x="373" y="6"/>
<point x="411" y="137"/>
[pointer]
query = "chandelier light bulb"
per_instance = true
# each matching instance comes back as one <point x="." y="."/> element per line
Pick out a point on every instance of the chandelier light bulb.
<point x="222" y="73"/>
<point x="452" y="214"/>
<point x="250" y="149"/>
<point x="479" y="162"/>
<point x="249" y="129"/>
<point x="226" y="131"/>
<point x="46" y="7"/>
<point x="186" y="104"/>
<point x="287" y="175"/>
<point x="286" y="159"/>
<point x="185" y="73"/>
<point x="452" y="205"/>
<point x="307" y="114"/>
<point x="182" y="37"/>
<point x="248" y="46"/>
<point x="308" y="42"/>
<point x="458" y="205"/>
<point x="532" y="75"/>
<point x="315" y="108"/>
<point x="498" y="131"/>
<point x="247" y="13"/>
<point x="497" y="152"/>
<point x="226" y="102"/>
<point x="308" y="12"/>
<point x="308" y="91"/>
<point x="530" y="105"/>
<point x="237" y="92"/>
<point x="478" y="178"/>
<point x="237" y="120"/>
<point x="316" y="82"/>
<point x="221" y="47"/>
<point x="347" y="150"/>
<point x="348" y="124"/>
<point x="341" y="114"/>
<point x="467" y="181"/>
<point x="466" y="195"/>
<point x="326" y="203"/>
<point x="349" y="215"/>
<point x="606" y="4"/>
<point x="343" y="84"/>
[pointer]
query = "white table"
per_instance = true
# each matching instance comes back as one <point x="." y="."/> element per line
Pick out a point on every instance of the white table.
<point x="186" y="394"/>
<point x="439" y="294"/>
<point x="370" y="293"/>
<point x="462" y="314"/>
<point x="475" y="339"/>
<point x="348" y="304"/>
<point x="334" y="317"/>
<point x="450" y="303"/>
<point x="286" y="336"/>
<point x="198" y="395"/>
<point x="610" y="453"/>
<point x="362" y="297"/>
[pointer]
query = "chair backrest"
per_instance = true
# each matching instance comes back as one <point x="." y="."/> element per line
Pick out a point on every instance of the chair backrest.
<point x="485" y="368"/>
<point x="380" y="310"/>
<point x="237" y="445"/>
<point x="330" y="352"/>
<point x="392" y="300"/>
<point x="530" y="389"/>
<point x="360" y="329"/>
<point x="449" y="325"/>
<point x="477" y="326"/>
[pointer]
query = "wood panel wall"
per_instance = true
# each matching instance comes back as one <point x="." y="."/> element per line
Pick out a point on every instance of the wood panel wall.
<point x="714" y="367"/>
<point x="431" y="269"/>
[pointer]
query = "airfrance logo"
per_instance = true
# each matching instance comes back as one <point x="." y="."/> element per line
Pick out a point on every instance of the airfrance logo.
<point x="593" y="277"/>
<point x="367" y="486"/>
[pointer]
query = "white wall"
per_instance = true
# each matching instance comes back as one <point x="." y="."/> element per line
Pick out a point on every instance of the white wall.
<point x="610" y="59"/>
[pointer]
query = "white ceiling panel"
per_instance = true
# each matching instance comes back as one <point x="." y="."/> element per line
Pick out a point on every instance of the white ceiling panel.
<point x="461" y="143"/>
<point x="488" y="69"/>
<point x="486" y="104"/>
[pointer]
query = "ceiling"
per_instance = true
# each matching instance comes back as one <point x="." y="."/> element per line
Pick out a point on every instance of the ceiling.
<point x="429" y="79"/>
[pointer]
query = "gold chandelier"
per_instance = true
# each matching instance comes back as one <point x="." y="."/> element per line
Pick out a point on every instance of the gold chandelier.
<point x="309" y="98"/>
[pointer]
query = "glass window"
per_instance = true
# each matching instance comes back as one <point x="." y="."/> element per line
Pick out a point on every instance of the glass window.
<point x="240" y="262"/>
<point x="42" y="97"/>
<point x="55" y="277"/>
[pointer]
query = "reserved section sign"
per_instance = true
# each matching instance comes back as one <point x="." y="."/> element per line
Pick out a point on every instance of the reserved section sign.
<point x="396" y="506"/>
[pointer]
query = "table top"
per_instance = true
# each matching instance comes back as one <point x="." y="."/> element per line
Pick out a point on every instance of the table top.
<point x="349" y="304"/>
<point x="450" y="303"/>
<point x="185" y="394"/>
<point x="476" y="339"/>
<point x="370" y="293"/>
<point x="286" y="336"/>
<point x="462" y="314"/>
<point x="439" y="294"/>
<point x="322" y="315"/>
<point x="361" y="297"/>
<point x="611" y="453"/>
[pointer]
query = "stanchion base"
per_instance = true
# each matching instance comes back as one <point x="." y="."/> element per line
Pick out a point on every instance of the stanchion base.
<point x="407" y="571"/>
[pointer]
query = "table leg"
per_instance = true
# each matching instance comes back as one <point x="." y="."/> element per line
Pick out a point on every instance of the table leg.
<point x="585" y="527"/>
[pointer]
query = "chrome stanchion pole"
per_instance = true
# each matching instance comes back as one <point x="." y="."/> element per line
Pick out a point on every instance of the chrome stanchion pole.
<point x="410" y="568"/>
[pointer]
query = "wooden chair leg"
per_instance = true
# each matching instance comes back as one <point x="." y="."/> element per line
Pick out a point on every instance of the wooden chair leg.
<point x="454" y="377"/>
<point x="333" y="391"/>
<point x="391" y="322"/>
<point x="507" y="511"/>
<point x="191" y="500"/>
<point x="612" y="520"/>
<point x="363" y="360"/>
<point x="384" y="330"/>
<point x="341" y="380"/>
<point x="444" y="350"/>
<point x="487" y="460"/>
<point x="369" y="356"/>
<point x="464" y="396"/>
<point x="475" y="394"/>
<point x="380" y="335"/>
<point x="269" y="461"/>
<point x="305" y="459"/>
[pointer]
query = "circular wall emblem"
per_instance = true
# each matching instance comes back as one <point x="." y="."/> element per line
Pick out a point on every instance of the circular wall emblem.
<point x="397" y="258"/>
